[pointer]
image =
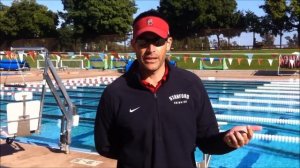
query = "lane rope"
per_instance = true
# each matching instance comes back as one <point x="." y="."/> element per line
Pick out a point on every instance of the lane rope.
<point x="286" y="102"/>
<point x="256" y="108"/>
<point x="257" y="119"/>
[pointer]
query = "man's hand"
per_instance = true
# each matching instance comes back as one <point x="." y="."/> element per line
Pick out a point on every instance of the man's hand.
<point x="240" y="135"/>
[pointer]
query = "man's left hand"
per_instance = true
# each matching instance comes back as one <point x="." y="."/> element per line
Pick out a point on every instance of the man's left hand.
<point x="240" y="135"/>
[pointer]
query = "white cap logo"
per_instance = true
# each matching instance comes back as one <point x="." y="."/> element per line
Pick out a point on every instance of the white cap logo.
<point x="149" y="22"/>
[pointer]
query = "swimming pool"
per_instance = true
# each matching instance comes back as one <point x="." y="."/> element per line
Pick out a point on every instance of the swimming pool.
<point x="273" y="105"/>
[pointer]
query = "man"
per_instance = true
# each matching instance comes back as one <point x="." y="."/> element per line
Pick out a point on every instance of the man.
<point x="155" y="115"/>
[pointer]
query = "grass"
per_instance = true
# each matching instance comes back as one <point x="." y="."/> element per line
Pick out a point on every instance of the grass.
<point x="239" y="62"/>
<point x="267" y="60"/>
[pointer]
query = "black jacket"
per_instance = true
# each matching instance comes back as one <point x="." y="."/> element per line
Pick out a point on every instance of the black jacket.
<point x="142" y="129"/>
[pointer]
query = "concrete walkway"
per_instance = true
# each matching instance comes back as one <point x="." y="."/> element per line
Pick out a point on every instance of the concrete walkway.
<point x="25" y="155"/>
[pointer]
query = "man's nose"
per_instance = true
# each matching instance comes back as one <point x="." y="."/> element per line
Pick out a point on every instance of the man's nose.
<point x="151" y="47"/>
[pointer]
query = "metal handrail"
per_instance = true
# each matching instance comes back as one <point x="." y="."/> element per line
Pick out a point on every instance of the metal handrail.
<point x="67" y="107"/>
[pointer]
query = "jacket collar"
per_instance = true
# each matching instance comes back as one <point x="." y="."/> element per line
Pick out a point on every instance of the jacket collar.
<point x="133" y="76"/>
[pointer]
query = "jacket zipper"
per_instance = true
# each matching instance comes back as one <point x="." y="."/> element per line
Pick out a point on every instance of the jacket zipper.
<point x="157" y="116"/>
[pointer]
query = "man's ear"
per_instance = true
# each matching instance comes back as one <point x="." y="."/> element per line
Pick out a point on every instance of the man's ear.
<point x="169" y="43"/>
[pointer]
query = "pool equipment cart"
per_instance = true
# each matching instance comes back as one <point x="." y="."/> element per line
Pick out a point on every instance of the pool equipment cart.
<point x="70" y="117"/>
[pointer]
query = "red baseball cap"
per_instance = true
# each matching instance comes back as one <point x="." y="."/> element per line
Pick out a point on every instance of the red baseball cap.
<point x="151" y="24"/>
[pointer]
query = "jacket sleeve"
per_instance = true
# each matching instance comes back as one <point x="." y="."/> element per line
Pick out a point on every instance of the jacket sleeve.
<point x="209" y="139"/>
<point x="104" y="130"/>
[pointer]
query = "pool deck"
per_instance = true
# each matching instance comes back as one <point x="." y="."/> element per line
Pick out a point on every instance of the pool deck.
<point x="25" y="155"/>
<point x="29" y="155"/>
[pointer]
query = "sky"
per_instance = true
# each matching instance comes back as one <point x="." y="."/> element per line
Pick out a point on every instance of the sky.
<point x="144" y="5"/>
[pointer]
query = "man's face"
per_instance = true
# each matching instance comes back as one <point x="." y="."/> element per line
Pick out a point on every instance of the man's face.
<point x="151" y="51"/>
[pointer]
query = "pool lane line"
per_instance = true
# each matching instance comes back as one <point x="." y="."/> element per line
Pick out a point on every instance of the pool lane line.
<point x="286" y="82"/>
<point x="278" y="88"/>
<point x="272" y="91"/>
<point x="285" y="102"/>
<point x="277" y="138"/>
<point x="257" y="119"/>
<point x="267" y="95"/>
<point x="281" y="85"/>
<point x="256" y="108"/>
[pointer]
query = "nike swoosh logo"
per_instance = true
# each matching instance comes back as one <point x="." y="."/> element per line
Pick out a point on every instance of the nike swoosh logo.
<point x="132" y="110"/>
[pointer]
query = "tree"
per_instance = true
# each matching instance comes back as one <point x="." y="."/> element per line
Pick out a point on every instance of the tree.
<point x="27" y="19"/>
<point x="3" y="8"/>
<point x="92" y="18"/>
<point x="276" y="17"/>
<point x="221" y="14"/>
<point x="184" y="16"/>
<point x="186" y="19"/>
<point x="268" y="39"/>
<point x="7" y="28"/>
<point x="292" y="41"/>
<point x="190" y="17"/>
<point x="236" y="25"/>
<point x="294" y="11"/>
<point x="253" y="24"/>
<point x="66" y="40"/>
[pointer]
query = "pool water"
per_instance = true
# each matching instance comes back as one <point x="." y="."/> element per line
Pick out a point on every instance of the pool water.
<point x="273" y="105"/>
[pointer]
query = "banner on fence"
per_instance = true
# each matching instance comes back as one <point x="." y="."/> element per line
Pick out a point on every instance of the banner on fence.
<point x="289" y="61"/>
